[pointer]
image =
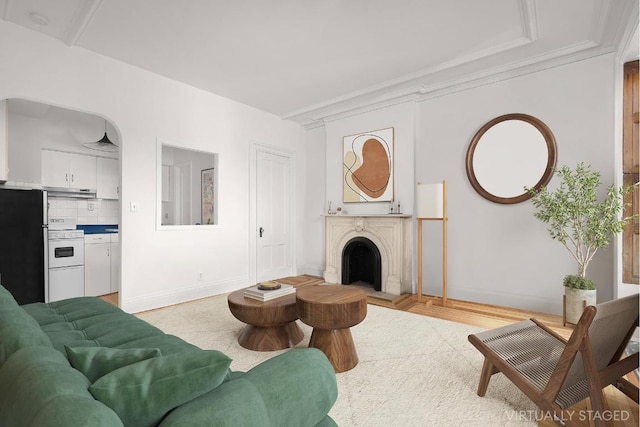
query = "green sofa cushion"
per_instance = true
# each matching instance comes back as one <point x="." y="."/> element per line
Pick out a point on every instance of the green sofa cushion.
<point x="234" y="403"/>
<point x="40" y="388"/>
<point x="288" y="371"/>
<point x="18" y="330"/>
<point x="92" y="322"/>
<point x="143" y="393"/>
<point x="293" y="389"/>
<point x="14" y="314"/>
<point x="6" y="297"/>
<point x="95" y="362"/>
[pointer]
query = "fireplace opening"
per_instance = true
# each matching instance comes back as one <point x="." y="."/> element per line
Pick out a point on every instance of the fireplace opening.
<point x="361" y="263"/>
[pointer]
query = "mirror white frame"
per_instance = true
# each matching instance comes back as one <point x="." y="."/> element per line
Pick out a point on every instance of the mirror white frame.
<point x="509" y="153"/>
<point x="165" y="186"/>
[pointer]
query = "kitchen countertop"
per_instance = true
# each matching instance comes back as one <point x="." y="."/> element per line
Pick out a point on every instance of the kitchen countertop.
<point x="98" y="228"/>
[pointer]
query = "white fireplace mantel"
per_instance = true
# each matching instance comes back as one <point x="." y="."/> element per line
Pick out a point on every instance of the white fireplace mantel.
<point x="391" y="233"/>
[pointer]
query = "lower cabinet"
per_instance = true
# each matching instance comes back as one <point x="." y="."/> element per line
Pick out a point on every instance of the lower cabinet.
<point x="115" y="263"/>
<point x="101" y="264"/>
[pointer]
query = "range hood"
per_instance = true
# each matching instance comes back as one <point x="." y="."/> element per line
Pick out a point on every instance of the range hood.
<point x="77" y="193"/>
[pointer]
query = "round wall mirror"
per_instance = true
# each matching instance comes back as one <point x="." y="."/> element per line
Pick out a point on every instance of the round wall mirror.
<point x="509" y="153"/>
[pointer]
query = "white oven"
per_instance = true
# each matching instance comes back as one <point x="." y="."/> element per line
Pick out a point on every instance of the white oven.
<point x="66" y="260"/>
<point x="66" y="248"/>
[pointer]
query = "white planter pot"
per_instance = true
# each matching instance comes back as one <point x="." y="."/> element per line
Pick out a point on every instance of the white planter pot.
<point x="574" y="304"/>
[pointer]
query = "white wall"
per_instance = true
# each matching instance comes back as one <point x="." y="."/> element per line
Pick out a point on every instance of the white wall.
<point x="158" y="267"/>
<point x="501" y="254"/>
<point x="401" y="118"/>
<point x="498" y="254"/>
<point x="64" y="130"/>
<point x="313" y="206"/>
<point x="51" y="128"/>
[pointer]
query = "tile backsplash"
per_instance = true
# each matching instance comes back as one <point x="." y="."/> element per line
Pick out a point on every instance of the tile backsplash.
<point x="87" y="211"/>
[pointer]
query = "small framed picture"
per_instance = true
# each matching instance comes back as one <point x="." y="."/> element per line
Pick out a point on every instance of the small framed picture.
<point x="208" y="196"/>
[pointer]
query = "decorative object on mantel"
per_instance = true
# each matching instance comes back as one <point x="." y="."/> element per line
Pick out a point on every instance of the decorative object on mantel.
<point x="329" y="211"/>
<point x="582" y="224"/>
<point x="509" y="153"/>
<point x="103" y="144"/>
<point x="368" y="167"/>
<point x="431" y="202"/>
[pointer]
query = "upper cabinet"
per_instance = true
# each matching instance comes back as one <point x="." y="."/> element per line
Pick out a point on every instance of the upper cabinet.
<point x="108" y="179"/>
<point x="68" y="170"/>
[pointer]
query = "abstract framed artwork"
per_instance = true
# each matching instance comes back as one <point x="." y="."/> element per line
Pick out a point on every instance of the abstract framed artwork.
<point x="208" y="196"/>
<point x="367" y="171"/>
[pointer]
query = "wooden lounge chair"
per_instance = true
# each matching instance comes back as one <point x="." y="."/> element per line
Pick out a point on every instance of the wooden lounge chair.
<point x="556" y="373"/>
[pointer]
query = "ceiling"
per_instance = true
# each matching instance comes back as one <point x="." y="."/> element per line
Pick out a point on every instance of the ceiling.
<point x="310" y="60"/>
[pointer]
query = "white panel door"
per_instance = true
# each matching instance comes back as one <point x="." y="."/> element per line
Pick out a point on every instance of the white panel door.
<point x="182" y="194"/>
<point x="273" y="210"/>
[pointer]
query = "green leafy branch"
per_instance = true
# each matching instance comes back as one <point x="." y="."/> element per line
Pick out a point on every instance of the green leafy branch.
<point x="575" y="216"/>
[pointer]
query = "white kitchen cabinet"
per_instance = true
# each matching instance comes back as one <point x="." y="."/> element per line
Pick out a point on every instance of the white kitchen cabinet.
<point x="97" y="264"/>
<point x="68" y="170"/>
<point x="115" y="263"/>
<point x="108" y="181"/>
<point x="101" y="264"/>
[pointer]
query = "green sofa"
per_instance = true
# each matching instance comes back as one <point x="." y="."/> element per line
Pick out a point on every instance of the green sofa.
<point x="84" y="362"/>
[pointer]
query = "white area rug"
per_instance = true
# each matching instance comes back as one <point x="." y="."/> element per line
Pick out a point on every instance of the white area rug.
<point x="414" y="370"/>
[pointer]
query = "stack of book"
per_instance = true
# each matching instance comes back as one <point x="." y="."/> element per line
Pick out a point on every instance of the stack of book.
<point x="265" y="295"/>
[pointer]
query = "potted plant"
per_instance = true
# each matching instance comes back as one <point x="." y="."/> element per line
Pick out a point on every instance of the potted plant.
<point x="582" y="223"/>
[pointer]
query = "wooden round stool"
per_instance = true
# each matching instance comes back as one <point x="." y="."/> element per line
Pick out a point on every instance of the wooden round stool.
<point x="271" y="325"/>
<point x="332" y="310"/>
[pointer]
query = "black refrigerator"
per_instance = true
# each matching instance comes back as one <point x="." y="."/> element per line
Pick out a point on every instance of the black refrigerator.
<point x="23" y="244"/>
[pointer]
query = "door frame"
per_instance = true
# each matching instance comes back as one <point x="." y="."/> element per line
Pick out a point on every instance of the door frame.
<point x="253" y="208"/>
<point x="181" y="175"/>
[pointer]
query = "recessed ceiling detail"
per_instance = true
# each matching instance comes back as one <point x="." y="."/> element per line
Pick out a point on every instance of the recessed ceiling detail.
<point x="310" y="61"/>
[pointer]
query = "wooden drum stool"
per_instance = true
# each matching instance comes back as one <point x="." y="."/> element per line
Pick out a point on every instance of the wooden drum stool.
<point x="271" y="325"/>
<point x="332" y="310"/>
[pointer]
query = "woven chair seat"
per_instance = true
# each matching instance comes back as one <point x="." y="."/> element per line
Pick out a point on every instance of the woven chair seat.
<point x="556" y="373"/>
<point x="534" y="353"/>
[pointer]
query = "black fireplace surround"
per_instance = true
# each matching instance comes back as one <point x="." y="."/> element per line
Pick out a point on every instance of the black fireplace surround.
<point x="361" y="262"/>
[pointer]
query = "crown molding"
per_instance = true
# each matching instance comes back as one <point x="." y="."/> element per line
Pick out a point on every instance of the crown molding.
<point x="424" y="91"/>
<point x="81" y="19"/>
<point x="392" y="89"/>
<point x="627" y="31"/>
<point x="4" y="9"/>
<point x="529" y="19"/>
<point x="605" y="37"/>
<point x="395" y="88"/>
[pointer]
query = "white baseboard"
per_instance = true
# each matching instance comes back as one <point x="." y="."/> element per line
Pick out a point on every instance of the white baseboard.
<point x="182" y="294"/>
<point x="313" y="270"/>
<point x="520" y="301"/>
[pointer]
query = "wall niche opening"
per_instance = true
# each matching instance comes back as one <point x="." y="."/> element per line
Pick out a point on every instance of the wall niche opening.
<point x="362" y="263"/>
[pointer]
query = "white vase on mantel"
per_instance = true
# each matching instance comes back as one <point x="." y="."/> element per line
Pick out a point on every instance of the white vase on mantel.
<point x="575" y="302"/>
